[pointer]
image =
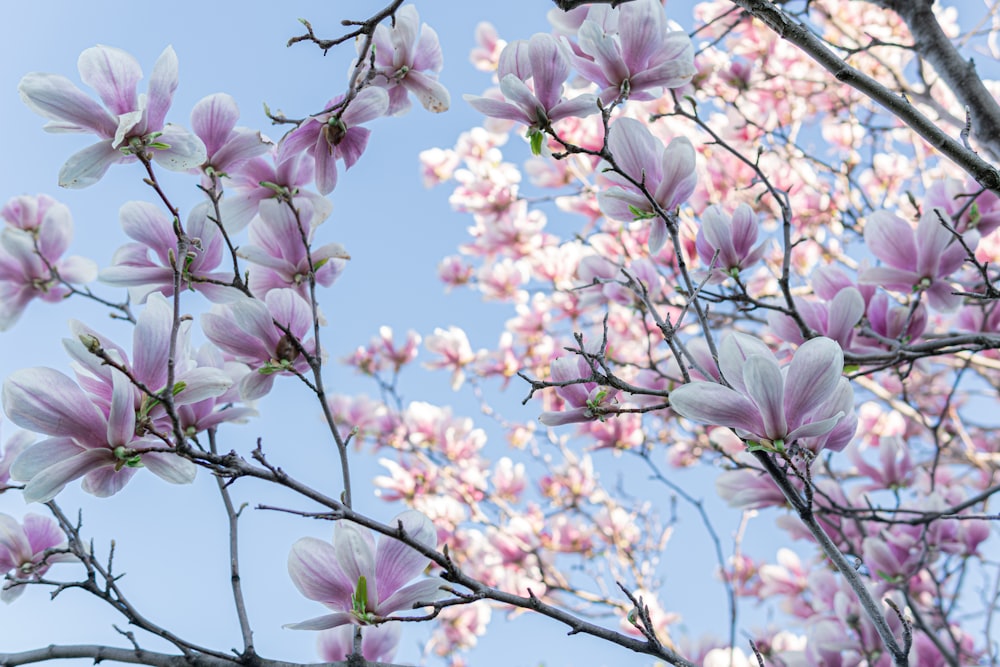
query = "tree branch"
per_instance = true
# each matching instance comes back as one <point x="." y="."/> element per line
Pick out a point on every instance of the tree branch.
<point x="798" y="34"/>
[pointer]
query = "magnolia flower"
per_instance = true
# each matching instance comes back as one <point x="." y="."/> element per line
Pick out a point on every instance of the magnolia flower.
<point x="127" y="124"/>
<point x="213" y="120"/>
<point x="630" y="52"/>
<point x="102" y="448"/>
<point x="666" y="173"/>
<point x="259" y="179"/>
<point x="834" y="319"/>
<point x="277" y="250"/>
<point x="587" y="400"/>
<point x="10" y="450"/>
<point x="147" y="265"/>
<point x="731" y="237"/>
<point x="104" y="432"/>
<point x="25" y="550"/>
<point x="918" y="261"/>
<point x="408" y="59"/>
<point x="332" y="136"/>
<point x="378" y="642"/>
<point x="264" y="334"/>
<point x="545" y="62"/>
<point x="770" y="406"/>
<point x="361" y="582"/>
<point x="38" y="231"/>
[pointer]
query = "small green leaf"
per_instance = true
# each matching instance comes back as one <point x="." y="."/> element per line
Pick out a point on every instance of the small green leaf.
<point x="536" y="137"/>
<point x="974" y="215"/>
<point x="852" y="368"/>
<point x="640" y="214"/>
<point x="360" y="599"/>
<point x="179" y="387"/>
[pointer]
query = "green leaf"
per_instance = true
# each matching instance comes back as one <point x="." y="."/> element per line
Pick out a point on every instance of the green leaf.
<point x="360" y="600"/>
<point x="640" y="214"/>
<point x="179" y="387"/>
<point x="536" y="137"/>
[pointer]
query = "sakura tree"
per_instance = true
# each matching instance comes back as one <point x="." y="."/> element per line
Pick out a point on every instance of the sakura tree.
<point x="740" y="411"/>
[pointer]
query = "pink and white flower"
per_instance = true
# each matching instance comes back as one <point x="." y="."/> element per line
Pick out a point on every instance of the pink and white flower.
<point x="360" y="581"/>
<point x="127" y="124"/>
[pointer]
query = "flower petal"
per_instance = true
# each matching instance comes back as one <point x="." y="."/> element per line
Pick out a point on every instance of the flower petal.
<point x="714" y="404"/>
<point x="316" y="571"/>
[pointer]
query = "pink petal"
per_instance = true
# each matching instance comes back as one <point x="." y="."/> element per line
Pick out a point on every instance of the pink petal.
<point x="170" y="467"/>
<point x="185" y="151"/>
<point x="812" y="376"/>
<point x="316" y="571"/>
<point x="767" y="389"/>
<point x="56" y="97"/>
<point x="395" y="562"/>
<point x="105" y="481"/>
<point x="890" y="239"/>
<point x="86" y="167"/>
<point x="323" y="622"/>
<point x="114" y="74"/>
<point x="162" y="84"/>
<point x="717" y="405"/>
<point x="213" y="118"/>
<point x="44" y="486"/>
<point x="425" y="590"/>
<point x="355" y="549"/>
<point x="46" y="401"/>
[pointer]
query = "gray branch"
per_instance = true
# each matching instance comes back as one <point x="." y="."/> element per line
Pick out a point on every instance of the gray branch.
<point x="960" y="74"/>
<point x="97" y="653"/>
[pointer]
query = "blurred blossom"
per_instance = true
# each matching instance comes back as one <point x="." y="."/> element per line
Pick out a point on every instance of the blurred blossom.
<point x="38" y="231"/>
<point x="25" y="551"/>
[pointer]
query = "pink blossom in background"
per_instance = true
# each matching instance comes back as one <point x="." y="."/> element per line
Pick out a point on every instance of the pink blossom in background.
<point x="452" y="345"/>
<point x="335" y="135"/>
<point x="37" y="232"/>
<point x="126" y="121"/>
<point x="407" y="60"/>
<point x="485" y="56"/>
<point x="24" y="548"/>
<point x="360" y="581"/>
